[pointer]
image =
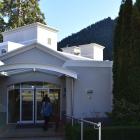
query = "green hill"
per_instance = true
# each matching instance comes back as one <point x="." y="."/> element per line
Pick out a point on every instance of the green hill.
<point x="101" y="32"/>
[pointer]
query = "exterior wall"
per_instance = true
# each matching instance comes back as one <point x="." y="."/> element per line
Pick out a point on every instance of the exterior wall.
<point x="44" y="34"/>
<point x="12" y="46"/>
<point x="86" y="50"/>
<point x="69" y="49"/>
<point x="93" y="51"/>
<point x="22" y="35"/>
<point x="63" y="97"/>
<point x="100" y="81"/>
<point x="35" y="32"/>
<point x="69" y="96"/>
<point x="3" y="46"/>
<point x="35" y="56"/>
<point x="9" y="46"/>
<point x="98" y="53"/>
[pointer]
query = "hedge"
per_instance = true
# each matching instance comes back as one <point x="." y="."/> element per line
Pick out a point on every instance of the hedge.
<point x="108" y="133"/>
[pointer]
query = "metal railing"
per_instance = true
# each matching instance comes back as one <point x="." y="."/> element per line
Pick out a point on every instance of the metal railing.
<point x="82" y="121"/>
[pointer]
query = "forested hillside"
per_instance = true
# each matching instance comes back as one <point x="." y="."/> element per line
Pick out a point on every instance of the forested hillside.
<point x="101" y="32"/>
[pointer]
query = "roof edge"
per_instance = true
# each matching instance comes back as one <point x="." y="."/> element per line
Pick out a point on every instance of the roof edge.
<point x="33" y="45"/>
<point x="29" y="26"/>
<point x="86" y="63"/>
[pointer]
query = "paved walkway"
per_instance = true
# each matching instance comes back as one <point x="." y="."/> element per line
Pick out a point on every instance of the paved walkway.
<point x="12" y="132"/>
<point x="39" y="138"/>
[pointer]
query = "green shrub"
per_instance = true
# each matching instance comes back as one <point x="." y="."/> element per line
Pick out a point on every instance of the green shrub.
<point x="108" y="133"/>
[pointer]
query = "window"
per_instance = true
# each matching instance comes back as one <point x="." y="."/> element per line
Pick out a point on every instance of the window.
<point x="49" y="41"/>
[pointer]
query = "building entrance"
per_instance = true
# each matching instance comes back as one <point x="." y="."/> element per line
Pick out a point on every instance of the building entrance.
<point x="24" y="103"/>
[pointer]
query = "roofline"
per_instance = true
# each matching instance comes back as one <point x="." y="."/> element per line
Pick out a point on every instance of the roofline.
<point x="66" y="54"/>
<point x="29" y="26"/>
<point x="86" y="63"/>
<point x="5" y="68"/>
<point x="91" y="44"/>
<point x="30" y="46"/>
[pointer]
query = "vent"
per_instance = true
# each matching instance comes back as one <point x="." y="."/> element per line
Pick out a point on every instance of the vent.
<point x="3" y="51"/>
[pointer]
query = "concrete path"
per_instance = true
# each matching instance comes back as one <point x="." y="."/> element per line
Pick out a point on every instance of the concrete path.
<point x="45" y="138"/>
<point x="12" y="132"/>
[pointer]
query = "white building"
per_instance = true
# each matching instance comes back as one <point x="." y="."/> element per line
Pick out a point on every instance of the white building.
<point x="77" y="80"/>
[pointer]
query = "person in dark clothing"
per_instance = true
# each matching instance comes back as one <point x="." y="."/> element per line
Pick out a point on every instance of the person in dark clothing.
<point x="46" y="111"/>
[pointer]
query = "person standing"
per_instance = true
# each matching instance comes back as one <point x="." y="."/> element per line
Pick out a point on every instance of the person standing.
<point x="46" y="111"/>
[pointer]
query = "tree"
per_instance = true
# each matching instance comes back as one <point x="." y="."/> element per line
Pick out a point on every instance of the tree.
<point x="137" y="4"/>
<point x="2" y="23"/>
<point x="116" y="49"/>
<point x="20" y="12"/>
<point x="2" y="26"/>
<point x="134" y="75"/>
<point x="122" y="49"/>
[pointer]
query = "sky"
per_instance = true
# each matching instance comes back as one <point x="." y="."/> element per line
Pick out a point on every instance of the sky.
<point x="70" y="16"/>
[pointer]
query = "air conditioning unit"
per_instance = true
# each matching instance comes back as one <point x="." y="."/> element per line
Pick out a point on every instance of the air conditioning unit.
<point x="77" y="51"/>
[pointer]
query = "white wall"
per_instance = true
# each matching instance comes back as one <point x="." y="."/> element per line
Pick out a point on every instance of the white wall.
<point x="9" y="46"/>
<point x="36" y="32"/>
<point x="87" y="51"/>
<point x="44" y="34"/>
<point x="68" y="96"/>
<point x="98" y="79"/>
<point x="98" y="53"/>
<point x="69" y="49"/>
<point x="12" y="46"/>
<point x="93" y="51"/>
<point x="21" y="34"/>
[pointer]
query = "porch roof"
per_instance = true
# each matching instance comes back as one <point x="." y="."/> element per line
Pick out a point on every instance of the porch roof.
<point x="12" y="69"/>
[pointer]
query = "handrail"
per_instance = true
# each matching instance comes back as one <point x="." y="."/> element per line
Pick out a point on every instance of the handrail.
<point x="96" y="125"/>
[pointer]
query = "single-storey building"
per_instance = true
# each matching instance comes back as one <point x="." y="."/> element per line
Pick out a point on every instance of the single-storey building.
<point x="77" y="80"/>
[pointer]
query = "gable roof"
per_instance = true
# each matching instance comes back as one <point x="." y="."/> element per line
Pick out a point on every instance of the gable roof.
<point x="31" y="46"/>
<point x="60" y="55"/>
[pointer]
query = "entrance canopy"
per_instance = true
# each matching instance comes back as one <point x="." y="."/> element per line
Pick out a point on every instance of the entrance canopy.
<point x="11" y="69"/>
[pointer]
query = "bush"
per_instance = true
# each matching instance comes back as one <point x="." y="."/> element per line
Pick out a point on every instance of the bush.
<point x="108" y="133"/>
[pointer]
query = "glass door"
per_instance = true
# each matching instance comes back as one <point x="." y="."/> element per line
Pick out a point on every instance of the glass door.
<point x="54" y="95"/>
<point x="13" y="105"/>
<point x="27" y="105"/>
<point x="39" y="94"/>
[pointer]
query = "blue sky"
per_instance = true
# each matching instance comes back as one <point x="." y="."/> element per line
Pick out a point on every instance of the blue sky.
<point x="70" y="16"/>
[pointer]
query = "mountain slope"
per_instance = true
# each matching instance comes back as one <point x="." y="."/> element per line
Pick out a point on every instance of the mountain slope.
<point x="101" y="32"/>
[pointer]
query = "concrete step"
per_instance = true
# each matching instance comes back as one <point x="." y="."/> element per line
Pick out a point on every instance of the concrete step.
<point x="14" y="132"/>
<point x="34" y="138"/>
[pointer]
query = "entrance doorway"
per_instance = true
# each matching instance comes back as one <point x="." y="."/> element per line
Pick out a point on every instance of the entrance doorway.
<point x="24" y="103"/>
